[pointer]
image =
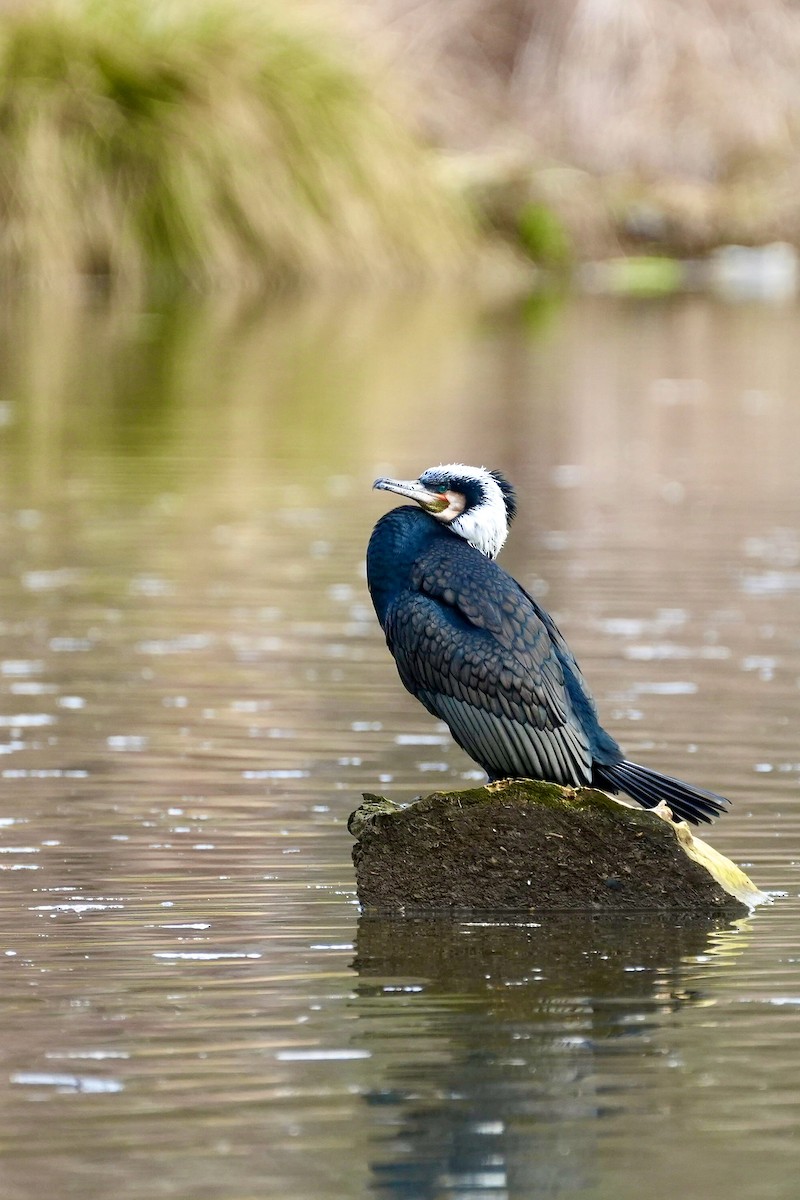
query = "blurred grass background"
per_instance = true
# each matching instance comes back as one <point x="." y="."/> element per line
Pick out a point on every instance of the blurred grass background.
<point x="263" y="145"/>
<point x="218" y="142"/>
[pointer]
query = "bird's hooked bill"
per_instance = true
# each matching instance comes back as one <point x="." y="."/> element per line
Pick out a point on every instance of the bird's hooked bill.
<point x="412" y="489"/>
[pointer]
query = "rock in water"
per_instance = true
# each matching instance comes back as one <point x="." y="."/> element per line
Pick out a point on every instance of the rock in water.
<point x="522" y="845"/>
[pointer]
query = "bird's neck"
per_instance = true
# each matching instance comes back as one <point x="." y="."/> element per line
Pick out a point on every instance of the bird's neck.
<point x="397" y="541"/>
<point x="484" y="526"/>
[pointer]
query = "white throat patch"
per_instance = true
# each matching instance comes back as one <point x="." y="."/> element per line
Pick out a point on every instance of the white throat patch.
<point x="483" y="528"/>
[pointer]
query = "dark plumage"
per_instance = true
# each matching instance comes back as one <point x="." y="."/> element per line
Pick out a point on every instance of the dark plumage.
<point x="480" y="653"/>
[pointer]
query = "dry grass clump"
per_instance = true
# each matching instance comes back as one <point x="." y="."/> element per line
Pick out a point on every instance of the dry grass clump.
<point x="220" y="142"/>
<point x="664" y="86"/>
<point x="657" y="86"/>
<point x="690" y="110"/>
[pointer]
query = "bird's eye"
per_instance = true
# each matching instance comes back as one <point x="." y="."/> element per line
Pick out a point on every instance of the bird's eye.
<point x="440" y="488"/>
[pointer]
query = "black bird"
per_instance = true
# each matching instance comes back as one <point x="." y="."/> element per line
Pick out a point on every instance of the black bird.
<point x="483" y="656"/>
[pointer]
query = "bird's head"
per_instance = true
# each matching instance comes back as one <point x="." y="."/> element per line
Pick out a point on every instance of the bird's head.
<point x="477" y="504"/>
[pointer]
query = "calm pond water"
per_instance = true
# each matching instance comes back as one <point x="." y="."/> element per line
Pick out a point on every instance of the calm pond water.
<point x="194" y="693"/>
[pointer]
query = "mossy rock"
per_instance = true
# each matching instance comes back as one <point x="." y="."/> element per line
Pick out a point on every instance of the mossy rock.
<point x="525" y="845"/>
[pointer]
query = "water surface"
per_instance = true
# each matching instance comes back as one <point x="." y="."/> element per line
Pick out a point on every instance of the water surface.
<point x="194" y="693"/>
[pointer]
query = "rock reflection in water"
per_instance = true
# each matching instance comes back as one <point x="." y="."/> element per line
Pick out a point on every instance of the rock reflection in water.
<point x="516" y="1058"/>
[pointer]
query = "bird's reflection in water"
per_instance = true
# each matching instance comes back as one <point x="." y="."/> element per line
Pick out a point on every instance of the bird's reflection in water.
<point x="498" y="1044"/>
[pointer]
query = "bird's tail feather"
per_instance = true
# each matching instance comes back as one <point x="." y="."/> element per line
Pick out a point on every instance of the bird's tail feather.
<point x="649" y="787"/>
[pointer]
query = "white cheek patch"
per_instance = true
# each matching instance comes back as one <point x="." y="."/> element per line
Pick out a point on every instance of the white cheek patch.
<point x="483" y="525"/>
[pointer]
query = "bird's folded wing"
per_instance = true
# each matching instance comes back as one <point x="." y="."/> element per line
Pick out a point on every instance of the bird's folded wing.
<point x="471" y="645"/>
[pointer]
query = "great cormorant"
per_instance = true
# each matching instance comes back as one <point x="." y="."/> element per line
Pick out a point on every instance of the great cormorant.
<point x="483" y="656"/>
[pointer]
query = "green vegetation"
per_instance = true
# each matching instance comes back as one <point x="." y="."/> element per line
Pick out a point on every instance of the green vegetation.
<point x="149" y="140"/>
<point x="543" y="235"/>
<point x="638" y="275"/>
